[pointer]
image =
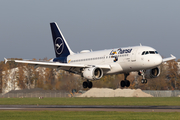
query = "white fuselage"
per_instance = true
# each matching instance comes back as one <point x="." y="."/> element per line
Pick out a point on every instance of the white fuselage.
<point x="120" y="59"/>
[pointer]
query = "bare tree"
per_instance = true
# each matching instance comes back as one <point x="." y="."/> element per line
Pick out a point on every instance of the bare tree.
<point x="172" y="74"/>
<point x="21" y="76"/>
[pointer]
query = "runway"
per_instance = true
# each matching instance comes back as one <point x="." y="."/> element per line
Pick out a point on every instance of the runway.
<point x="91" y="108"/>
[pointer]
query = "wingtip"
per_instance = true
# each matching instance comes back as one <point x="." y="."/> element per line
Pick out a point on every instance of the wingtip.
<point x="173" y="56"/>
<point x="5" y="60"/>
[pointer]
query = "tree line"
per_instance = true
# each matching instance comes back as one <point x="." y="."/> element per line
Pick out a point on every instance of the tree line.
<point x="25" y="76"/>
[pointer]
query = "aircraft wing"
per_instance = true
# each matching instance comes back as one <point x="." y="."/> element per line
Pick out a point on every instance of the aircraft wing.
<point x="48" y="64"/>
<point x="169" y="58"/>
<point x="57" y="64"/>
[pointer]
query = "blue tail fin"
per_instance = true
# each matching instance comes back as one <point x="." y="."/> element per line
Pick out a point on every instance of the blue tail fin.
<point x="61" y="47"/>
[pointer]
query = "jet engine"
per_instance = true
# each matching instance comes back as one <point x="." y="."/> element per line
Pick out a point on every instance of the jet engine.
<point x="152" y="73"/>
<point x="93" y="73"/>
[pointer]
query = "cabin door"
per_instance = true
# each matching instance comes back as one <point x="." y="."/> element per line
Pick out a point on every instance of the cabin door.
<point x="133" y="55"/>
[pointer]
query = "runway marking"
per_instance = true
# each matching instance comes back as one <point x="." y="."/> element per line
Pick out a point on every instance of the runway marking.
<point x="91" y="108"/>
<point x="10" y="108"/>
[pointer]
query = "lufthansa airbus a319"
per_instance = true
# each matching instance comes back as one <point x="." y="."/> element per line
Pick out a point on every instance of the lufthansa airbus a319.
<point x="92" y="65"/>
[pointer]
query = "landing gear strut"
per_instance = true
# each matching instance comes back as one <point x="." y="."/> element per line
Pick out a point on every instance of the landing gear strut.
<point x="144" y="80"/>
<point x="87" y="84"/>
<point x="125" y="82"/>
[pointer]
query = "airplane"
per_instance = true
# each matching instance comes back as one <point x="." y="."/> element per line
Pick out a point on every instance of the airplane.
<point x="93" y="65"/>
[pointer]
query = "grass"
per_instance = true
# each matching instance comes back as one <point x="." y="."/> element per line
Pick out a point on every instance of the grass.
<point x="97" y="115"/>
<point x="131" y="101"/>
<point x="89" y="115"/>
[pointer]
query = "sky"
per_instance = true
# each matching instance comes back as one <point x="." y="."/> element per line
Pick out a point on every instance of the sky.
<point x="88" y="24"/>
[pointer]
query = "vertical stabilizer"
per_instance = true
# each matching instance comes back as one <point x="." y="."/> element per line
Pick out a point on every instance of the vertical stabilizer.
<point x="61" y="47"/>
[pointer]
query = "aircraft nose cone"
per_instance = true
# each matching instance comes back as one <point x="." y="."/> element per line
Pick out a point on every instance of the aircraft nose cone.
<point x="158" y="60"/>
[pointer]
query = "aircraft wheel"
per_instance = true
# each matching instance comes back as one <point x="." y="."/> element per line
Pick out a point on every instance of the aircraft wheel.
<point x="85" y="84"/>
<point x="123" y="84"/>
<point x="143" y="81"/>
<point x="127" y="83"/>
<point x="90" y="85"/>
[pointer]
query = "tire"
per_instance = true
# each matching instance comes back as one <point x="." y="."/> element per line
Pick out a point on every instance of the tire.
<point x="123" y="83"/>
<point x="90" y="85"/>
<point x="85" y="84"/>
<point x="145" y="81"/>
<point x="142" y="81"/>
<point x="127" y="83"/>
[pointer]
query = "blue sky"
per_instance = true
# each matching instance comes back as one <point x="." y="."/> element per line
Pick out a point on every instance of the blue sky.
<point x="96" y="24"/>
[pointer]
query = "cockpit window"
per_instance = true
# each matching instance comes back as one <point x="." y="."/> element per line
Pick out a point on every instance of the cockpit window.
<point x="143" y="53"/>
<point x="152" y="52"/>
<point x="149" y="52"/>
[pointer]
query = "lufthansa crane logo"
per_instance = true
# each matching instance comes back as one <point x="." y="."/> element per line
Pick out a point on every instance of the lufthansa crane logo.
<point x="59" y="45"/>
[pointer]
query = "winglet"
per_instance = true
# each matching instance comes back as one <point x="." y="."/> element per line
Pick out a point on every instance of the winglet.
<point x="5" y="60"/>
<point x="170" y="58"/>
<point x="173" y="56"/>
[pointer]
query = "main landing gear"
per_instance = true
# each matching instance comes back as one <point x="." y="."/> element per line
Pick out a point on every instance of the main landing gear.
<point x="144" y="80"/>
<point x="87" y="84"/>
<point x="125" y="82"/>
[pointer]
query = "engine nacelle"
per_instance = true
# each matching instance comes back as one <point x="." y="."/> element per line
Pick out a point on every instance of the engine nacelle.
<point x="93" y="73"/>
<point x="152" y="73"/>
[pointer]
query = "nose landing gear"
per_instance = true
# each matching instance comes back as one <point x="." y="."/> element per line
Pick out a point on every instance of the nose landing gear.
<point x="144" y="80"/>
